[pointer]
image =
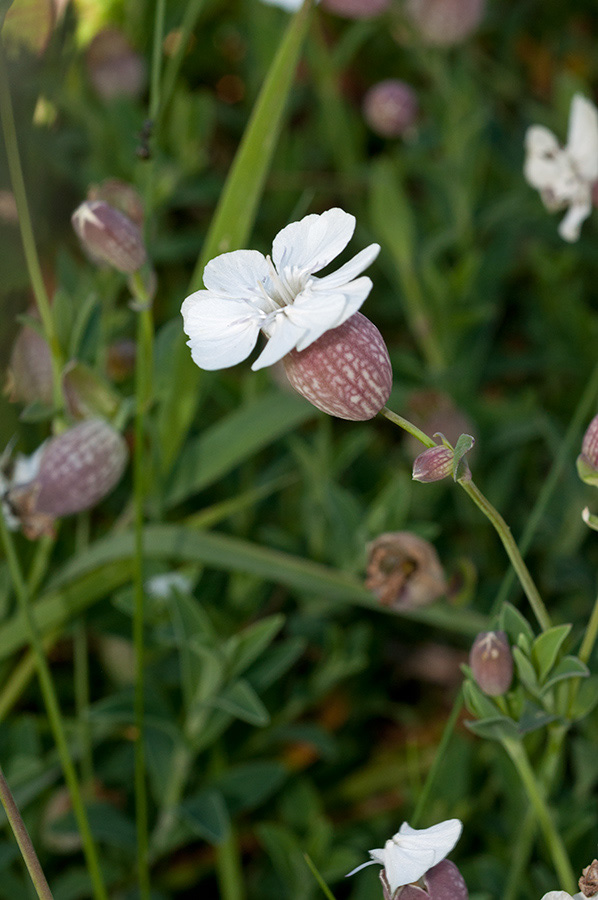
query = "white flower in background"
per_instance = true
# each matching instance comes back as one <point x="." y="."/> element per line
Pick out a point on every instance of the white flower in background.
<point x="289" y="5"/>
<point x="410" y="852"/>
<point x="562" y="895"/>
<point x="564" y="176"/>
<point x="247" y="293"/>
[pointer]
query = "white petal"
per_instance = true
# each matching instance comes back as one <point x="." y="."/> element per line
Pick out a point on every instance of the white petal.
<point x="236" y="274"/>
<point x="570" y="226"/>
<point x="441" y="837"/>
<point x="318" y="312"/>
<point x="582" y="137"/>
<point x="370" y="862"/>
<point x="222" y="332"/>
<point x="283" y="338"/>
<point x="351" y="269"/>
<point x="404" y="866"/>
<point x="313" y="242"/>
<point x="559" y="895"/>
<point x="289" y="5"/>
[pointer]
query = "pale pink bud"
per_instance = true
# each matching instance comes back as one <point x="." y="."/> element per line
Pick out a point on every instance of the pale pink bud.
<point x="109" y="236"/>
<point x="404" y="570"/>
<point x="346" y="372"/>
<point x="115" y="69"/>
<point x="491" y="662"/>
<point x="75" y="470"/>
<point x="445" y="22"/>
<point x="121" y="196"/>
<point x="433" y="464"/>
<point x="390" y="107"/>
<point x="587" y="461"/>
<point x="356" y="9"/>
<point x="29" y="375"/>
<point x="442" y="882"/>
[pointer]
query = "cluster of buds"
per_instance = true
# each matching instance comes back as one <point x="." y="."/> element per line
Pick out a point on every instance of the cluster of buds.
<point x="491" y="663"/>
<point x="67" y="474"/>
<point x="404" y="571"/>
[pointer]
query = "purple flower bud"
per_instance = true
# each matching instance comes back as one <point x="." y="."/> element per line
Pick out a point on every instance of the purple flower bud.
<point x="346" y="372"/>
<point x="29" y="375"/>
<point x="121" y="196"/>
<point x="491" y="662"/>
<point x="356" y="9"/>
<point x="442" y="882"/>
<point x="404" y="571"/>
<point x="109" y="236"/>
<point x="115" y="69"/>
<point x="390" y="107"/>
<point x="75" y="470"/>
<point x="433" y="464"/>
<point x="445" y="22"/>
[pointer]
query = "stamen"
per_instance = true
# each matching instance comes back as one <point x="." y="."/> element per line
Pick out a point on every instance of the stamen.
<point x="279" y="284"/>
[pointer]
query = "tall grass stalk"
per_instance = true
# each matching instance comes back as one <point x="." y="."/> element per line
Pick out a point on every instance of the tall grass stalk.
<point x="42" y="888"/>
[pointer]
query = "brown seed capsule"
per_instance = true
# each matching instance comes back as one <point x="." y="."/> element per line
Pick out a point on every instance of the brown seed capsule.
<point x="491" y="662"/>
<point x="445" y="22"/>
<point x="404" y="570"/>
<point x="109" y="236"/>
<point x="588" y="883"/>
<point x="76" y="470"/>
<point x="346" y="372"/>
<point x="390" y="107"/>
<point x="442" y="882"/>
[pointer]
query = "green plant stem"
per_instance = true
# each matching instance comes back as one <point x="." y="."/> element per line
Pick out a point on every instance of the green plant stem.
<point x="447" y="734"/>
<point x="535" y="795"/>
<point x="81" y="669"/>
<point x="192" y="13"/>
<point x="229" y="871"/>
<point x="590" y="634"/>
<point x="42" y="888"/>
<point x="53" y="713"/>
<point x="582" y="411"/>
<point x="176" y="779"/>
<point x="312" y="867"/>
<point x="510" y="545"/>
<point x="31" y="258"/>
<point x="492" y="514"/>
<point x="143" y="392"/>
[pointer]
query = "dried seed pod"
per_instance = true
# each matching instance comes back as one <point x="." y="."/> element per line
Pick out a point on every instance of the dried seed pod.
<point x="491" y="662"/>
<point x="109" y="236"/>
<point x="390" y="107"/>
<point x="74" y="471"/>
<point x="443" y="23"/>
<point x="588" y="883"/>
<point x="346" y="372"/>
<point x="404" y="570"/>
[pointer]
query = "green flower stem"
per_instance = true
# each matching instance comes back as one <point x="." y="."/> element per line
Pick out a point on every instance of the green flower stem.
<point x="424" y="796"/>
<point x="229" y="871"/>
<point x="176" y="779"/>
<point x="143" y="392"/>
<point x="589" y="638"/>
<point x="26" y="847"/>
<point x="503" y="530"/>
<point x="33" y="266"/>
<point x="53" y="713"/>
<point x="563" y="456"/>
<point x="312" y="867"/>
<point x="157" y="50"/>
<point x="535" y="794"/>
<point x="192" y="13"/>
<point x="81" y="668"/>
<point x="504" y="533"/>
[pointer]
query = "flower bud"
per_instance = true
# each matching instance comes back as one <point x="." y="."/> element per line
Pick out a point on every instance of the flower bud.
<point x="73" y="472"/>
<point x="390" y="107"/>
<point x="442" y="882"/>
<point x="491" y="662"/>
<point x="587" y="461"/>
<point x="433" y="464"/>
<point x="114" y="68"/>
<point x="445" y="22"/>
<point x="356" y="9"/>
<point x="346" y="372"/>
<point x="121" y="196"/>
<point x="404" y="571"/>
<point x="29" y="375"/>
<point x="109" y="236"/>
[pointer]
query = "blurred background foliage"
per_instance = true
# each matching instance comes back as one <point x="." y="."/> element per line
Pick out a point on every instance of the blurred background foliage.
<point x="296" y="715"/>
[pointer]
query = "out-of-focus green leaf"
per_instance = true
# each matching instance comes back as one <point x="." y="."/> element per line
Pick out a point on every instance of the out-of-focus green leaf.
<point x="568" y="667"/>
<point x="247" y="785"/>
<point x="546" y="647"/>
<point x="240" y="700"/>
<point x="207" y="815"/>
<point x="250" y="643"/>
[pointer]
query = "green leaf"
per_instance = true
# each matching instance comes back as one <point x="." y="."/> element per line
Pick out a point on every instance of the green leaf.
<point x="249" y="784"/>
<point x="568" y="667"/>
<point x="390" y="214"/>
<point x="240" y="700"/>
<point x="586" y="699"/>
<point x="586" y="471"/>
<point x="234" y="439"/>
<point x="4" y="7"/>
<point x="546" y="647"/>
<point x="235" y="214"/>
<point x="494" y="729"/>
<point x="533" y="717"/>
<point x="478" y="703"/>
<point x="514" y="623"/>
<point x="247" y="646"/>
<point x="525" y="670"/>
<point x="463" y="446"/>
<point x="207" y="815"/>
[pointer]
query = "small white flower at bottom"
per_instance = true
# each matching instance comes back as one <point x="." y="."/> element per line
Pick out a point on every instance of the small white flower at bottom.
<point x="410" y="852"/>
<point x="562" y="895"/>
<point x="564" y="176"/>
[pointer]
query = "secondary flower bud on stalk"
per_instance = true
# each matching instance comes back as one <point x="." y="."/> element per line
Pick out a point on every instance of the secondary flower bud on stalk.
<point x="70" y="473"/>
<point x="345" y="373"/>
<point x="433" y="464"/>
<point x="109" y="236"/>
<point x="390" y="108"/>
<point x="445" y="22"/>
<point x="29" y="374"/>
<point x="587" y="461"/>
<point x="491" y="662"/>
<point x="404" y="571"/>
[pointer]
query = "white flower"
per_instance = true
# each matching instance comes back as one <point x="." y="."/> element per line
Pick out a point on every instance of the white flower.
<point x="564" y="176"/>
<point x="412" y="851"/>
<point x="562" y="895"/>
<point x="289" y="5"/>
<point x="247" y="292"/>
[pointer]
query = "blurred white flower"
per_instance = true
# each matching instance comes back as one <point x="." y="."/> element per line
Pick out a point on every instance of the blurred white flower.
<point x="410" y="852"/>
<point x="562" y="895"/>
<point x="289" y="5"/>
<point x="247" y="292"/>
<point x="564" y="176"/>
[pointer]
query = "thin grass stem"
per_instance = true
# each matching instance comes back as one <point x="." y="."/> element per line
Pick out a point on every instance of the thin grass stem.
<point x="42" y="888"/>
